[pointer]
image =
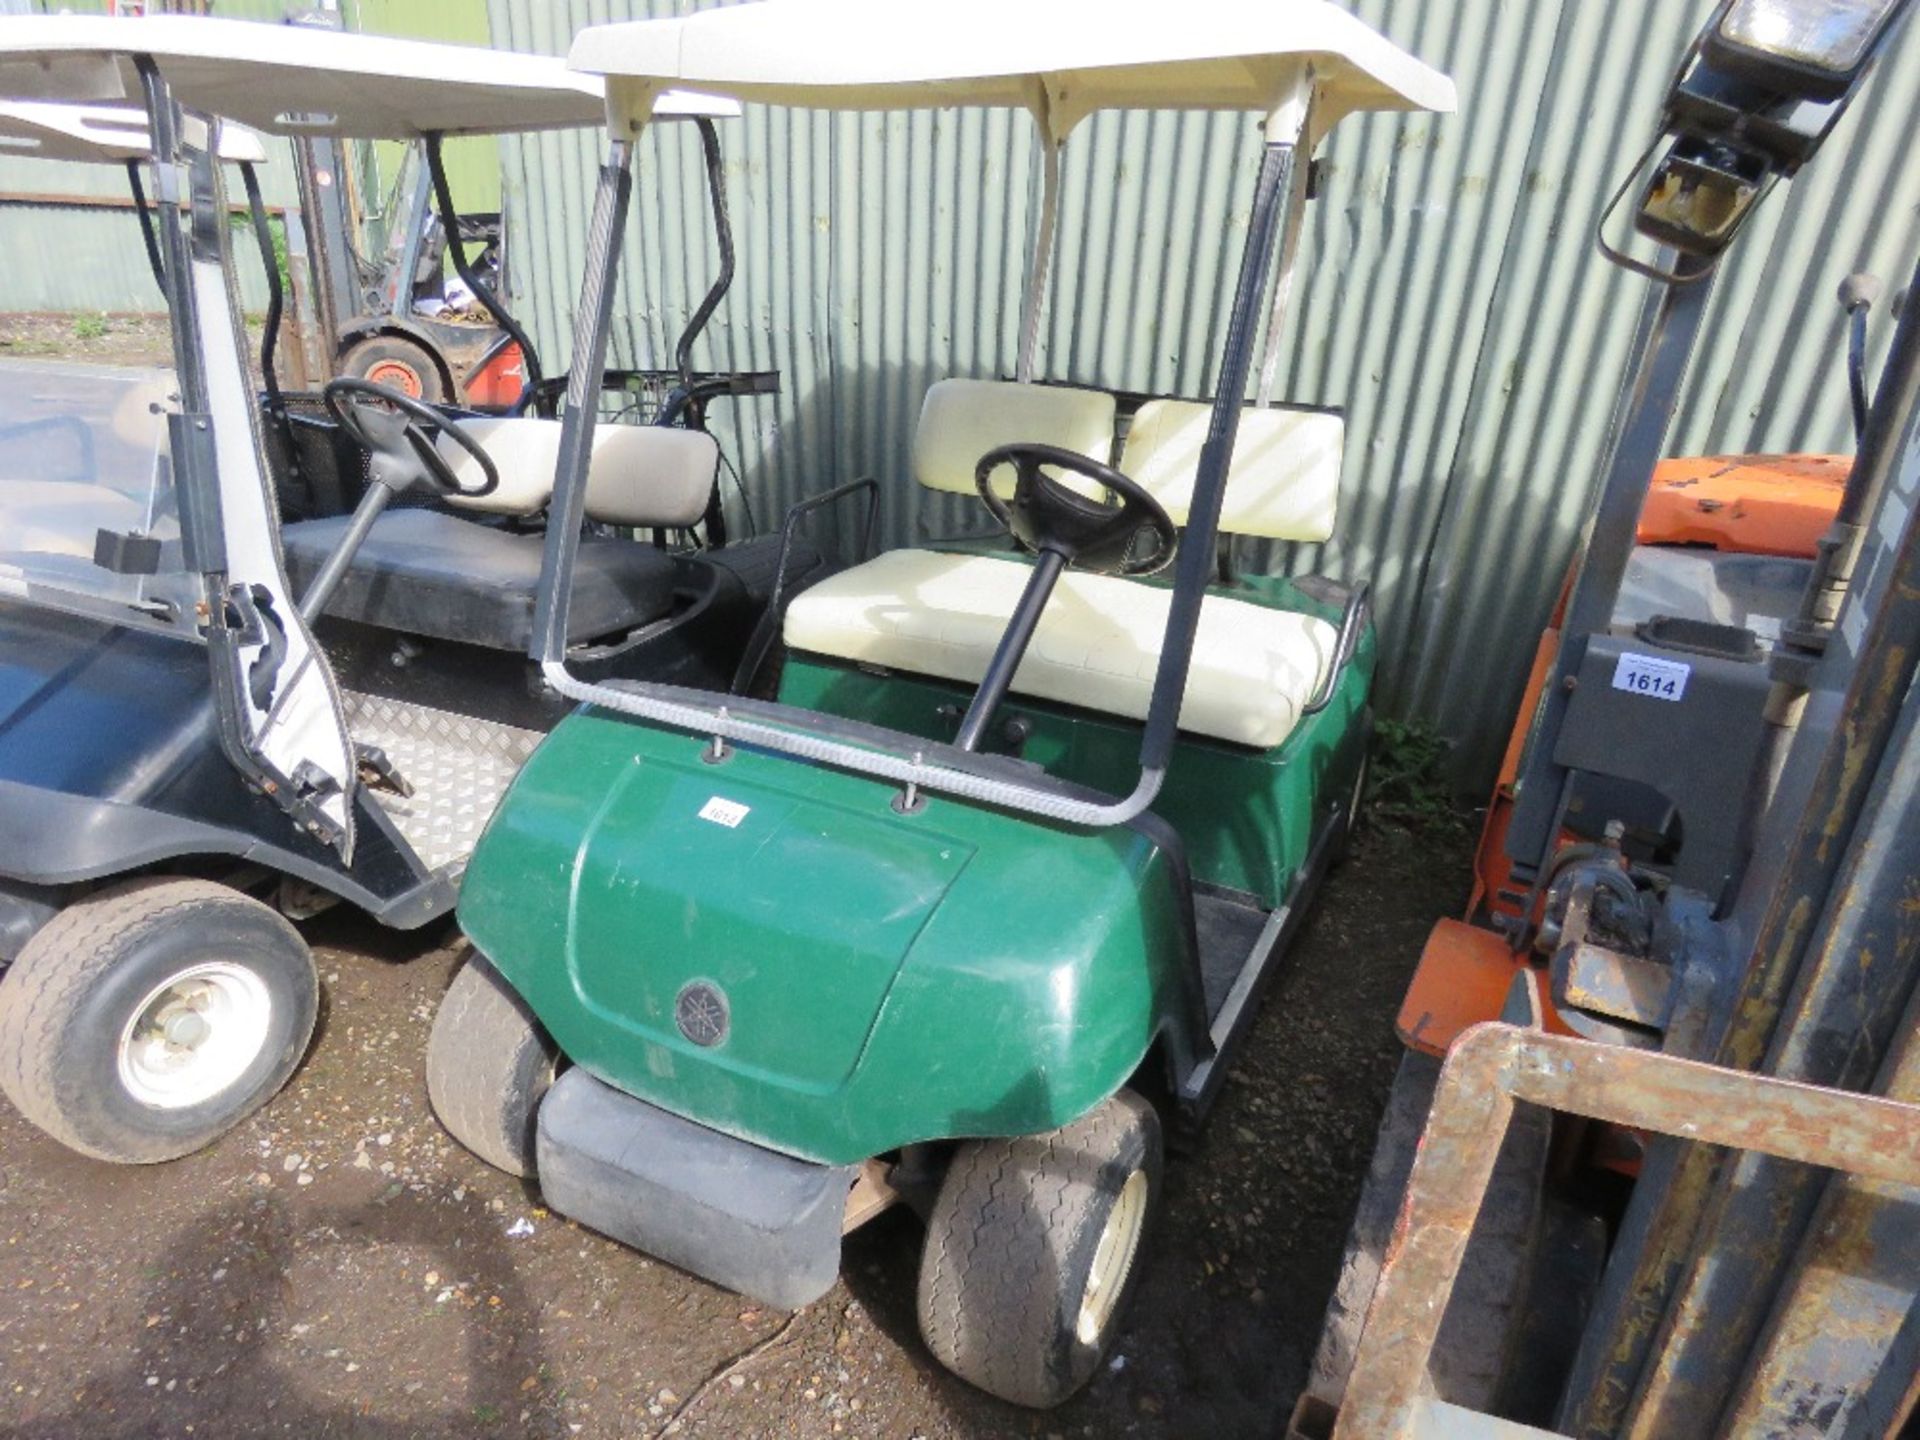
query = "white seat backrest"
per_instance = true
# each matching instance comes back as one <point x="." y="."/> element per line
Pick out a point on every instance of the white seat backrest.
<point x="1284" y="483"/>
<point x="523" y="450"/>
<point x="640" y="475"/>
<point x="651" y="475"/>
<point x="964" y="419"/>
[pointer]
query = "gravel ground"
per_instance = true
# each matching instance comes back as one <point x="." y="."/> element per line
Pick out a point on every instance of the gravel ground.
<point x="106" y="339"/>
<point x="338" y="1267"/>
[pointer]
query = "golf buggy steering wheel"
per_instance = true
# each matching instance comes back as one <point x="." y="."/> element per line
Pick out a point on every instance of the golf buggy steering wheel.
<point x="393" y="426"/>
<point x="1045" y="515"/>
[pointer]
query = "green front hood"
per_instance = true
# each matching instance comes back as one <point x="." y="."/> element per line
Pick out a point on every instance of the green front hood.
<point x="883" y="978"/>
<point x="680" y="880"/>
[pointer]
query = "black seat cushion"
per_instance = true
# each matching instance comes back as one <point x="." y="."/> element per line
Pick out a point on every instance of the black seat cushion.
<point x="431" y="573"/>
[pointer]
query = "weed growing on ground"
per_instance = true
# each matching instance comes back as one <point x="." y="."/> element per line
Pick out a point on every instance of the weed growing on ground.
<point x="1407" y="785"/>
<point x="89" y="327"/>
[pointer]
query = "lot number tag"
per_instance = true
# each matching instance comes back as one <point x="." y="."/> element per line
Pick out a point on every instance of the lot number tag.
<point x="724" y="812"/>
<point x="1644" y="675"/>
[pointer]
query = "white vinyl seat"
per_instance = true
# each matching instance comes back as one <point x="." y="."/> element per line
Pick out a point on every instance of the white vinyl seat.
<point x="1254" y="669"/>
<point x="1097" y="645"/>
<point x="456" y="577"/>
<point x="640" y="475"/>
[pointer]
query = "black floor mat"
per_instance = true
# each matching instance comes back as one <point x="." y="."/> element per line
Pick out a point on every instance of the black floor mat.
<point x="1227" y="930"/>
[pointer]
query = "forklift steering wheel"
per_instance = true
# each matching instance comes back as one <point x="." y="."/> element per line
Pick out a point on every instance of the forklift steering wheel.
<point x="1044" y="514"/>
<point x="397" y="435"/>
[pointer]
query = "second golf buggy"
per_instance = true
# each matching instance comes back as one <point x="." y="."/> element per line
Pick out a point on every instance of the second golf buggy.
<point x="292" y="669"/>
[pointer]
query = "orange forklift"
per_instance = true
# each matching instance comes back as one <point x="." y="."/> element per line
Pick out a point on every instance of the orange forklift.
<point x="1650" y="1164"/>
<point x="1753" y="523"/>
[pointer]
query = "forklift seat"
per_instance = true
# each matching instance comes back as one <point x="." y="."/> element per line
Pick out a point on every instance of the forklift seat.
<point x="1097" y="644"/>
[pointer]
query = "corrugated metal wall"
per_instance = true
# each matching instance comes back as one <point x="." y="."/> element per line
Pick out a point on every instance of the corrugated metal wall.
<point x="1451" y="298"/>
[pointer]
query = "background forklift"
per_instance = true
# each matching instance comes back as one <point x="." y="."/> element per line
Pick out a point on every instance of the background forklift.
<point x="1700" y="944"/>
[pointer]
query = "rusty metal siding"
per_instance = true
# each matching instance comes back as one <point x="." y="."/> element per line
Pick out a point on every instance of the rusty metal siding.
<point x="1448" y="298"/>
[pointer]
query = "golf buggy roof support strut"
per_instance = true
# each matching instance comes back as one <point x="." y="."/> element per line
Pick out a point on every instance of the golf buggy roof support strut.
<point x="450" y="222"/>
<point x="276" y="298"/>
<point x="202" y="536"/>
<point x="1193" y="568"/>
<point x="1041" y="266"/>
<point x="200" y="530"/>
<point x="145" y="213"/>
<point x="723" y="233"/>
<point x="594" y="315"/>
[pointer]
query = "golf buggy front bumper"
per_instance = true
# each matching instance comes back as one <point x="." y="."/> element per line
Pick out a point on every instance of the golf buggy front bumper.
<point x="751" y="1219"/>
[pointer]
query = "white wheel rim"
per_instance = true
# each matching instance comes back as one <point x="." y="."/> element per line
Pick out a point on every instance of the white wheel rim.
<point x="1113" y="1259"/>
<point x="194" y="1035"/>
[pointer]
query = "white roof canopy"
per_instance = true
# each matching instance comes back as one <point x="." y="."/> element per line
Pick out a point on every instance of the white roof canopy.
<point x="292" y="80"/>
<point x="99" y="134"/>
<point x="1064" y="59"/>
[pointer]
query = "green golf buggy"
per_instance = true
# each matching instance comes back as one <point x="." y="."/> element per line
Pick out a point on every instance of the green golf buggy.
<point x="988" y="893"/>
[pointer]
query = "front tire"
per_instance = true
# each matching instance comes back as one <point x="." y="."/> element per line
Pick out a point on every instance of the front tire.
<point x="489" y="1065"/>
<point x="144" y="1022"/>
<point x="1032" y="1251"/>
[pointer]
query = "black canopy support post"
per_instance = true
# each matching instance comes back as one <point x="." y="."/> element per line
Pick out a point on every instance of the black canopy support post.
<point x="450" y="221"/>
<point x="276" y="296"/>
<point x="723" y="234"/>
<point x="998" y="680"/>
<point x="201" y="533"/>
<point x="1198" y="555"/>
<point x="1640" y="438"/>
<point x="145" y="212"/>
<point x="593" y="318"/>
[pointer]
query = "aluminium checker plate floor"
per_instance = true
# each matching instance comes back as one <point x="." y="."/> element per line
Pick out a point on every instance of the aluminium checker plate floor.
<point x="459" y="768"/>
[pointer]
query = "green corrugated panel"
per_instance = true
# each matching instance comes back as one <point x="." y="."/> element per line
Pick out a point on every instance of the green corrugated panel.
<point x="1450" y="297"/>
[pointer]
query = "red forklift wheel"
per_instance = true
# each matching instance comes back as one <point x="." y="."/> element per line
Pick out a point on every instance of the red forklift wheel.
<point x="388" y="360"/>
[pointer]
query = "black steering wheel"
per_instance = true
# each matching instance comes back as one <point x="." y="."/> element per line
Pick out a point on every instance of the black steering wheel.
<point x="393" y="427"/>
<point x="1044" y="514"/>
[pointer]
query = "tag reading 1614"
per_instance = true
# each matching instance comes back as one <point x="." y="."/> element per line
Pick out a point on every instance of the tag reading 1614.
<point x="1645" y="675"/>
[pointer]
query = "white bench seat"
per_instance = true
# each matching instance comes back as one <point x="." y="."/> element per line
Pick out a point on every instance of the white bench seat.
<point x="1097" y="645"/>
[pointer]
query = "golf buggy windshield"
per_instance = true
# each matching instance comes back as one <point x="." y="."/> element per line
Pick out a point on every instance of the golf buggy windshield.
<point x="87" y="507"/>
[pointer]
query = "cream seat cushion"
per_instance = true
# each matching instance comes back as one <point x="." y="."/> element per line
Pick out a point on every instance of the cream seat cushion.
<point x="640" y="475"/>
<point x="1097" y="645"/>
<point x="1283" y="482"/>
<point x="961" y="420"/>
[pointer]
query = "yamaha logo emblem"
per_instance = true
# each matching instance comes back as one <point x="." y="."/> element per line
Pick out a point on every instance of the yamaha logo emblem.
<point x="700" y="1011"/>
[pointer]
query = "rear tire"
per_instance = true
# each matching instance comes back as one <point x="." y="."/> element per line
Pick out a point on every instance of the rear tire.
<point x="142" y="1023"/>
<point x="1032" y="1251"/>
<point x="390" y="360"/>
<point x="489" y="1065"/>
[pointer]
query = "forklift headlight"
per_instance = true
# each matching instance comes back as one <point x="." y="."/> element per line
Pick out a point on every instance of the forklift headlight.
<point x="1810" y="48"/>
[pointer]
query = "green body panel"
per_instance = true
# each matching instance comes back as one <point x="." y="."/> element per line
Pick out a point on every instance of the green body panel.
<point x="890" y="978"/>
